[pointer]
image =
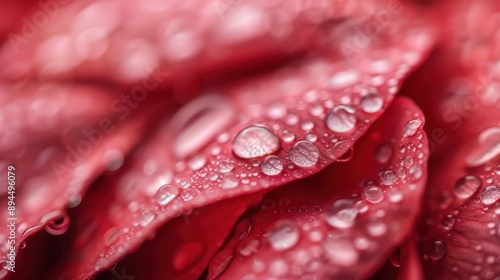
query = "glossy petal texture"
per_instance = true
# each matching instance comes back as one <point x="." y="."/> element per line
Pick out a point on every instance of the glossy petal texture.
<point x="305" y="91"/>
<point x="459" y="232"/>
<point x="328" y="225"/>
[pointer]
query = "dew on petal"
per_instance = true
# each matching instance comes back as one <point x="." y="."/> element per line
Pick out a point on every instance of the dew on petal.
<point x="373" y="194"/>
<point x="271" y="165"/>
<point x="383" y="153"/>
<point x="230" y="181"/>
<point x="304" y="153"/>
<point x="225" y="166"/>
<point x="490" y="195"/>
<point x="466" y="186"/>
<point x="341" y="119"/>
<point x="342" y="214"/>
<point x="388" y="178"/>
<point x="166" y="194"/>
<point x="249" y="247"/>
<point x="437" y="251"/>
<point x="372" y="102"/>
<point x="255" y="141"/>
<point x="283" y="235"/>
<point x="412" y="127"/>
<point x="488" y="148"/>
<point x="146" y="218"/>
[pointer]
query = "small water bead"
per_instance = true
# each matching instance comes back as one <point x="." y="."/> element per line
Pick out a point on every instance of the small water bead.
<point x="411" y="127"/>
<point x="437" y="251"/>
<point x="307" y="125"/>
<point x="292" y="119"/>
<point x="225" y="166"/>
<point x="371" y="102"/>
<point x="276" y="110"/>
<point x="409" y="161"/>
<point x="377" y="228"/>
<point x="341" y="119"/>
<point x="249" y="247"/>
<point x="341" y="252"/>
<point x="416" y="171"/>
<point x="146" y="218"/>
<point x="374" y="194"/>
<point x="187" y="195"/>
<point x="342" y="214"/>
<point x="243" y="229"/>
<point x="271" y="165"/>
<point x="283" y="235"/>
<point x="311" y="136"/>
<point x="212" y="176"/>
<point x="220" y="262"/>
<point x="197" y="162"/>
<point x="490" y="195"/>
<point x="448" y="222"/>
<point x="304" y="153"/>
<point x="466" y="186"/>
<point x="394" y="195"/>
<point x="166" y="194"/>
<point x="383" y="153"/>
<point x="287" y="136"/>
<point x="230" y="181"/>
<point x="58" y="226"/>
<point x="255" y="141"/>
<point x="388" y="178"/>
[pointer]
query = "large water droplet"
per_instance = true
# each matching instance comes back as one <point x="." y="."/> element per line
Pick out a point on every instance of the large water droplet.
<point x="187" y="254"/>
<point x="466" y="186"/>
<point x="388" y="178"/>
<point x="58" y="226"/>
<point x="283" y="235"/>
<point x="437" y="251"/>
<point x="304" y="153"/>
<point x="342" y="214"/>
<point x="255" y="141"/>
<point x="146" y="218"/>
<point x="341" y="119"/>
<point x="271" y="165"/>
<point x="490" y="195"/>
<point x="373" y="194"/>
<point x="166" y="194"/>
<point x="411" y="127"/>
<point x="198" y="122"/>
<point x="249" y="247"/>
<point x="488" y="148"/>
<point x="371" y="102"/>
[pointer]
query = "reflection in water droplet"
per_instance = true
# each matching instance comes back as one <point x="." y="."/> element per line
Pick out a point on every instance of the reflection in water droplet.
<point x="342" y="214"/>
<point x="225" y="166"/>
<point x="490" y="195"/>
<point x="371" y="102"/>
<point x="58" y="226"/>
<point x="448" y="222"/>
<point x="437" y="251"/>
<point x="488" y="148"/>
<point x="146" y="218"/>
<point x="287" y="136"/>
<point x="374" y="194"/>
<point x="187" y="255"/>
<point x="304" y="153"/>
<point x="339" y="149"/>
<point x="466" y="186"/>
<point x="283" y="235"/>
<point x="341" y="119"/>
<point x="229" y="181"/>
<point x="249" y="247"/>
<point x="166" y="194"/>
<point x="197" y="162"/>
<point x="271" y="165"/>
<point x="383" y="153"/>
<point x="411" y="127"/>
<point x="255" y="141"/>
<point x="388" y="178"/>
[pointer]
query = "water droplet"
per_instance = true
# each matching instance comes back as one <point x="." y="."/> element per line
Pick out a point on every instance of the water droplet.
<point x="58" y="226"/>
<point x="225" y="166"/>
<point x="271" y="165"/>
<point x="304" y="153"/>
<point x="344" y="79"/>
<point x="220" y="262"/>
<point x="383" y="153"/>
<point x="146" y="218"/>
<point x="342" y="214"/>
<point x="448" y="222"/>
<point x="187" y="194"/>
<point x="198" y="122"/>
<point x="488" y="148"/>
<point x="396" y="258"/>
<point x="113" y="159"/>
<point x="197" y="162"/>
<point x="374" y="194"/>
<point x="276" y="110"/>
<point x="287" y="136"/>
<point x="411" y="127"/>
<point x="371" y="102"/>
<point x="490" y="195"/>
<point x="466" y="186"/>
<point x="243" y="229"/>
<point x="341" y="119"/>
<point x="307" y="125"/>
<point x="311" y="136"/>
<point x="249" y="247"/>
<point x="74" y="200"/>
<point x="341" y="252"/>
<point x="339" y="149"/>
<point x="395" y="195"/>
<point x="187" y="255"/>
<point x="278" y="267"/>
<point x="376" y="228"/>
<point x="283" y="235"/>
<point x="255" y="141"/>
<point x="166" y="194"/>
<point x="388" y="178"/>
<point x="437" y="251"/>
<point x="230" y="181"/>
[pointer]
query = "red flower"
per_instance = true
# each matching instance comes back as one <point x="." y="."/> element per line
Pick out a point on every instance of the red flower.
<point x="250" y="140"/>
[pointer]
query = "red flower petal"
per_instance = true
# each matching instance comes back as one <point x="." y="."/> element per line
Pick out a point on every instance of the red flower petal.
<point x="459" y="228"/>
<point x="344" y="221"/>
